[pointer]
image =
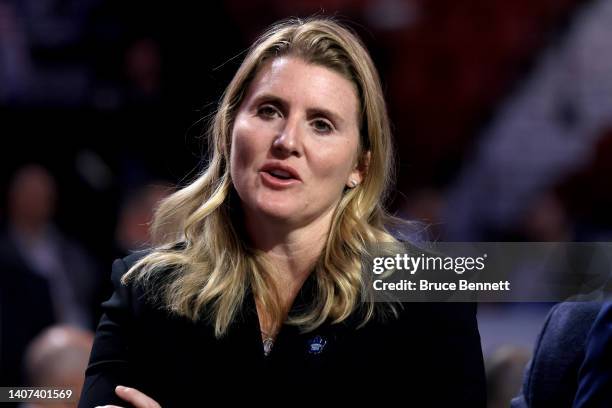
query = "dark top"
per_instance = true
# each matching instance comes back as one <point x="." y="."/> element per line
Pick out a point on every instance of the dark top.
<point x="595" y="376"/>
<point x="430" y="356"/>
<point x="551" y="376"/>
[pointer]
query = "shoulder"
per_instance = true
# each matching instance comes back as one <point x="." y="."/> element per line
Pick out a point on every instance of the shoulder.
<point x="569" y="321"/>
<point x="131" y="259"/>
<point x="558" y="353"/>
<point x="132" y="294"/>
<point x="126" y="296"/>
<point x="123" y="265"/>
<point x="572" y="315"/>
<point x="566" y="329"/>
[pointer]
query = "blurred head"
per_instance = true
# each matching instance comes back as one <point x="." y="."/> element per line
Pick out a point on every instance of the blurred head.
<point x="136" y="214"/>
<point x="546" y="219"/>
<point x="143" y="65"/>
<point x="31" y="196"/>
<point x="57" y="358"/>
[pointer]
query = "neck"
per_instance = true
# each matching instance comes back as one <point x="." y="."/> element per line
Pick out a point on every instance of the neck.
<point x="292" y="250"/>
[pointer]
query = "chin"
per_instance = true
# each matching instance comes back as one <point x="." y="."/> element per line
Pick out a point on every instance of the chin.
<point x="277" y="210"/>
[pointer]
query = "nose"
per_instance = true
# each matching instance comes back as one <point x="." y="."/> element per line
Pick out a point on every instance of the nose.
<point x="288" y="141"/>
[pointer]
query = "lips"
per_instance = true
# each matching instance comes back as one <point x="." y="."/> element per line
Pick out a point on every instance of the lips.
<point x="281" y="171"/>
<point x="279" y="176"/>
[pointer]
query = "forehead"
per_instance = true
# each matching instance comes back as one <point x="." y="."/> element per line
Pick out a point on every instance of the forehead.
<point x="313" y="86"/>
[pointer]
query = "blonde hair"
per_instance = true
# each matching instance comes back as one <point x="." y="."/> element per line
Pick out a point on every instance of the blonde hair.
<point x="200" y="265"/>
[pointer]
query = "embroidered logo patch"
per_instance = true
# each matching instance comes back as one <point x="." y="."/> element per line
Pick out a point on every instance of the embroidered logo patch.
<point x="316" y="345"/>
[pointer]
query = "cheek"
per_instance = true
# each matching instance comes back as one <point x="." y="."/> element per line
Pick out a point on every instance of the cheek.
<point x="334" y="163"/>
<point x="243" y="151"/>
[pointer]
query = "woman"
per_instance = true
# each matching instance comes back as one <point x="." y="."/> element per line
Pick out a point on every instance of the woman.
<point x="255" y="282"/>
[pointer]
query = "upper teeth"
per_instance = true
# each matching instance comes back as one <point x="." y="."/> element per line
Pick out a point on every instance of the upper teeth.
<point x="280" y="173"/>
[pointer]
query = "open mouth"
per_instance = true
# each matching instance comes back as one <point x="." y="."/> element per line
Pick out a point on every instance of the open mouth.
<point x="278" y="179"/>
<point x="280" y="174"/>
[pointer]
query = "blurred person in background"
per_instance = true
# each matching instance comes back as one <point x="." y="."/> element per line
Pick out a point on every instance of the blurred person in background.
<point x="46" y="278"/>
<point x="572" y="352"/>
<point x="135" y="216"/>
<point x="143" y="73"/>
<point x="505" y="368"/>
<point x="57" y="358"/>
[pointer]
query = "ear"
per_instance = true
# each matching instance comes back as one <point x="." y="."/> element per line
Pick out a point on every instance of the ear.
<point x="360" y="170"/>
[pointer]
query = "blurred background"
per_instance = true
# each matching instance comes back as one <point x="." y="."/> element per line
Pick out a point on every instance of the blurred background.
<point x="501" y="111"/>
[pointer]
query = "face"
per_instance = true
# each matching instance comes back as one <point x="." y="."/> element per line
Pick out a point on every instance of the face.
<point x="295" y="142"/>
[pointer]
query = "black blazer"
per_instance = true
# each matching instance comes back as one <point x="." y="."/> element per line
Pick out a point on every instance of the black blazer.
<point x="430" y="356"/>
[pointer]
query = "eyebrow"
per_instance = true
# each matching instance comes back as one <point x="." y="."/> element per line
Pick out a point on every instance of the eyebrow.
<point x="318" y="111"/>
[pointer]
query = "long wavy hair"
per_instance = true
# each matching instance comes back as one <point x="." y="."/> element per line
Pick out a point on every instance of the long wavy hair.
<point x="201" y="264"/>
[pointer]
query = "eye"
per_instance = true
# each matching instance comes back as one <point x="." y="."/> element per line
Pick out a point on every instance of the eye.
<point x="267" y="112"/>
<point x="322" y="126"/>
